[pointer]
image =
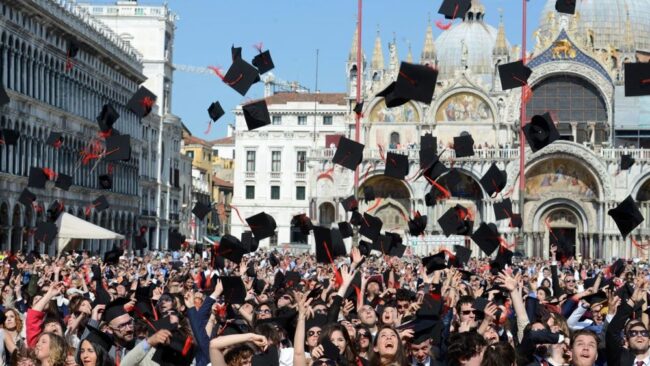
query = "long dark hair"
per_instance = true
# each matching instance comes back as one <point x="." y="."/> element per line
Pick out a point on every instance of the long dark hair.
<point x="102" y="356"/>
<point x="357" y="341"/>
<point x="349" y="354"/>
<point x="400" y="355"/>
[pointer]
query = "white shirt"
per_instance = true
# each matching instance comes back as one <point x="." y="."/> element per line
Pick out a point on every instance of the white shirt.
<point x="646" y="361"/>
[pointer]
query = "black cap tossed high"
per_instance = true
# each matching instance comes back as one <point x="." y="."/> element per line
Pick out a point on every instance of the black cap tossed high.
<point x="215" y="111"/>
<point x="241" y="76"/>
<point x="118" y="148"/>
<point x="540" y="132"/>
<point x="107" y="117"/>
<point x="256" y="114"/>
<point x="105" y="181"/>
<point x="201" y="209"/>
<point x="397" y="165"/>
<point x="464" y="145"/>
<point x="349" y="153"/>
<point x="453" y="9"/>
<point x="262" y="225"/>
<point x="350" y="204"/>
<point x="494" y="180"/>
<point x="263" y="62"/>
<point x="368" y="194"/>
<point x="626" y="216"/>
<point x="370" y="226"/>
<point x="514" y="75"/>
<point x="456" y="221"/>
<point x="416" y="82"/>
<point x="142" y="102"/>
<point x="565" y="6"/>
<point x="503" y="209"/>
<point x="487" y="238"/>
<point x="637" y="79"/>
<point x="627" y="161"/>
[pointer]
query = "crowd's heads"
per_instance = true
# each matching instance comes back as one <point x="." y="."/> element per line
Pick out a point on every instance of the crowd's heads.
<point x="584" y="348"/>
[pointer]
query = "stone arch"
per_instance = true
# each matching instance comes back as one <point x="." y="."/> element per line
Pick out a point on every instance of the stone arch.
<point x="641" y="189"/>
<point x="577" y="221"/>
<point x="469" y="187"/>
<point x="326" y="214"/>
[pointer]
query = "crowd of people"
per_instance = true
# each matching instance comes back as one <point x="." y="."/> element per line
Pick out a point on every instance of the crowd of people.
<point x="275" y="308"/>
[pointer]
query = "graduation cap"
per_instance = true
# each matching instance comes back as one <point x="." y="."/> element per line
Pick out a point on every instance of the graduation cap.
<point x="73" y="48"/>
<point x="55" y="139"/>
<point x="417" y="224"/>
<point x="231" y="248"/>
<point x="415" y="82"/>
<point x="383" y="244"/>
<point x="350" y="204"/>
<point x="390" y="98"/>
<point x="176" y="240"/>
<point x="617" y="267"/>
<point x="273" y="261"/>
<point x="627" y="161"/>
<point x="464" y="146"/>
<point x="503" y="209"/>
<point x="46" y="232"/>
<point x="540" y="131"/>
<point x="515" y="220"/>
<point x="105" y="181"/>
<point x="118" y="148"/>
<point x="27" y="198"/>
<point x="330" y="351"/>
<point x="107" y="118"/>
<point x="115" y="309"/>
<point x="358" y="108"/>
<point x="356" y="218"/>
<point x="235" y="52"/>
<point x="435" y="262"/>
<point x="368" y="194"/>
<point x="626" y="216"/>
<point x="241" y="76"/>
<point x="101" y="203"/>
<point x="397" y="248"/>
<point x="487" y="238"/>
<point x="215" y="111"/>
<point x="462" y="255"/>
<point x="63" y="181"/>
<point x="201" y="209"/>
<point x="397" y="165"/>
<point x="637" y="79"/>
<point x="514" y="75"/>
<point x="179" y="351"/>
<point x="99" y="338"/>
<point x="142" y="102"/>
<point x="262" y="225"/>
<point x="453" y="9"/>
<point x="424" y="329"/>
<point x="54" y="210"/>
<point x="455" y="221"/>
<point x="565" y="6"/>
<point x="430" y="198"/>
<point x="263" y="62"/>
<point x="349" y="153"/>
<point x="328" y="244"/>
<point x="234" y="290"/>
<point x="494" y="180"/>
<point x="370" y="226"/>
<point x="248" y="242"/>
<point x="269" y="357"/>
<point x="365" y="247"/>
<point x="345" y="229"/>
<point x="37" y="178"/>
<point x="140" y="242"/>
<point x="503" y="258"/>
<point x="436" y="169"/>
<point x="256" y="114"/>
<point x="318" y="320"/>
<point x="596" y="298"/>
<point x="9" y="136"/>
<point x="113" y="256"/>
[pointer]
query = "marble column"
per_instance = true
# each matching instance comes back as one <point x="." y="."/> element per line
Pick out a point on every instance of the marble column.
<point x="592" y="132"/>
<point x="574" y="131"/>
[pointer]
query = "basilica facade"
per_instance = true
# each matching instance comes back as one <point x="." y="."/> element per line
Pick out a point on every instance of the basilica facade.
<point x="577" y="62"/>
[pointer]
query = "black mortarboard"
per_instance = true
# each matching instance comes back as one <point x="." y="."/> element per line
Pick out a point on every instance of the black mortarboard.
<point x="565" y="6"/>
<point x="350" y="204"/>
<point x="99" y="338"/>
<point x="494" y="180"/>
<point x="142" y="102"/>
<point x="37" y="178"/>
<point x="358" y="108"/>
<point x="318" y="320"/>
<point x="515" y="220"/>
<point x="107" y="118"/>
<point x="330" y="351"/>
<point x="617" y="267"/>
<point x="428" y="157"/>
<point x="274" y="262"/>
<point x="487" y="238"/>
<point x="118" y="148"/>
<point x="364" y="247"/>
<point x="346" y="229"/>
<point x="235" y="52"/>
<point x="231" y="248"/>
<point x="423" y="329"/>
<point x="215" y="111"/>
<point x="417" y="224"/>
<point x="269" y="357"/>
<point x="596" y="298"/>
<point x="263" y="62"/>
<point x="101" y="203"/>
<point x="4" y="97"/>
<point x="428" y="141"/>
<point x="435" y="262"/>
<point x="416" y="82"/>
<point x="54" y="210"/>
<point x="462" y="255"/>
<point x="46" y="232"/>
<point x="637" y="79"/>
<point x="176" y="240"/>
<point x="464" y="146"/>
<point x="113" y="256"/>
<point x="9" y="136"/>
<point x="503" y="258"/>
<point x="63" y="181"/>
<point x="140" y="242"/>
<point x="201" y="209"/>
<point x="324" y="242"/>
<point x="256" y="114"/>
<point x="356" y="218"/>
<point x="503" y="209"/>
<point x="248" y="242"/>
<point x="383" y="244"/>
<point x="234" y="290"/>
<point x="291" y="279"/>
<point x="368" y="194"/>
<point x="370" y="226"/>
<point x="241" y="76"/>
<point x="436" y="169"/>
<point x="627" y="161"/>
<point x="115" y="309"/>
<point x="397" y="165"/>
<point x="390" y="98"/>
<point x="541" y="131"/>
<point x="262" y="225"/>
<point x="105" y="181"/>
<point x="397" y="249"/>
<point x="348" y="154"/>
<point x="626" y="216"/>
<point x="514" y="75"/>
<point x="27" y="197"/>
<point x="54" y="139"/>
<point x="430" y="198"/>
<point x="454" y="221"/>
<point x="453" y="9"/>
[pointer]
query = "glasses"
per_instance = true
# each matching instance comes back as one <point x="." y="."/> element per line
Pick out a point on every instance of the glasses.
<point x="364" y="334"/>
<point x="569" y="281"/>
<point x="286" y="297"/>
<point x="265" y="311"/>
<point x="312" y="333"/>
<point x="124" y="326"/>
<point x="468" y="312"/>
<point x="638" y="333"/>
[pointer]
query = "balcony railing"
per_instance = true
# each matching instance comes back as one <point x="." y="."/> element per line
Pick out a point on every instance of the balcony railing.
<point x="615" y="154"/>
<point x="275" y="175"/>
<point x="413" y="154"/>
<point x="249" y="175"/>
<point x="301" y="175"/>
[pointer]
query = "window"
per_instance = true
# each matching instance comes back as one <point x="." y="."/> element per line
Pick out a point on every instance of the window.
<point x="302" y="120"/>
<point x="275" y="192"/>
<point x="301" y="163"/>
<point x="276" y="163"/>
<point x="139" y="11"/>
<point x="250" y="192"/>
<point x="327" y="120"/>
<point x="190" y="154"/>
<point x="300" y="193"/>
<point x="277" y="120"/>
<point x="250" y="161"/>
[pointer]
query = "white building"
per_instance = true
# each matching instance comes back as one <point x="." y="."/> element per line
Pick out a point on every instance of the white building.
<point x="150" y="30"/>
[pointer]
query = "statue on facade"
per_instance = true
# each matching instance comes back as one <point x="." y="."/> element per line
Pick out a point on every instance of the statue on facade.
<point x="501" y="110"/>
<point x="464" y="53"/>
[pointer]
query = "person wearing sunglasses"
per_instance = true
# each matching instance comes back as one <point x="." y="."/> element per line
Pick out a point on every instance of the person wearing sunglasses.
<point x="636" y="335"/>
<point x="466" y="314"/>
<point x="363" y="342"/>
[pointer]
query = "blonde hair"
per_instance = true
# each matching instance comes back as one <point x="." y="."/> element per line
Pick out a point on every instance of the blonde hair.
<point x="58" y="349"/>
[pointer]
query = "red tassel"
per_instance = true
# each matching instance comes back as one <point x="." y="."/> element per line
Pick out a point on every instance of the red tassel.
<point x="548" y="226"/>
<point x="445" y="193"/>
<point x="339" y="278"/>
<point x="381" y="152"/>
<point x="259" y="46"/>
<point x="51" y="175"/>
<point x="642" y="247"/>
<point x="207" y="131"/>
<point x="443" y="26"/>
<point x="327" y="174"/>
<point x="106" y="134"/>
<point x="109" y="169"/>
<point x="402" y="74"/>
<point x="374" y="206"/>
<point x="527" y="94"/>
<point x="57" y="144"/>
<point x="370" y="166"/>
<point x="220" y="74"/>
<point x="188" y="346"/>
<point x="645" y="81"/>
<point x="147" y="103"/>
<point x="88" y="208"/>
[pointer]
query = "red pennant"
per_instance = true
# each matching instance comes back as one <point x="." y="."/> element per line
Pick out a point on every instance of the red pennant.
<point x="374" y="205"/>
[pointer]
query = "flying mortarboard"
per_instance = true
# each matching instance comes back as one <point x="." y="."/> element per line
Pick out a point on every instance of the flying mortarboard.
<point x="303" y="222"/>
<point x="626" y="216"/>
<point x="541" y="131"/>
<point x="142" y="102"/>
<point x="494" y="180"/>
<point x="418" y="224"/>
<point x="435" y="262"/>
<point x="105" y="181"/>
<point x="627" y="161"/>
<point x="462" y="255"/>
<point x="397" y="165"/>
<point x="326" y="243"/>
<point x="107" y="118"/>
<point x="455" y="221"/>
<point x="63" y="181"/>
<point x="390" y="98"/>
<point x="370" y="226"/>
<point x="37" y="178"/>
<point x="358" y="108"/>
<point x="263" y="62"/>
<point x="515" y="220"/>
<point x="565" y="6"/>
<point x="201" y="209"/>
<point x="46" y="232"/>
<point x="26" y="197"/>
<point x="350" y="204"/>
<point x="55" y="139"/>
<point x="514" y="75"/>
<point x="436" y="169"/>
<point x="118" y="148"/>
<point x="368" y="194"/>
<point x="503" y="209"/>
<point x="215" y="111"/>
<point x="9" y="136"/>
<point x="349" y="153"/>
<point x="346" y="229"/>
<point x="241" y="76"/>
<point x="453" y="9"/>
<point x="464" y="146"/>
<point x="262" y="225"/>
<point x="356" y="218"/>
<point x="231" y="248"/>
<point x="101" y="203"/>
<point x="248" y="242"/>
<point x="487" y="238"/>
<point x="256" y="114"/>
<point x="235" y="52"/>
<point x="113" y="256"/>
<point x="176" y="240"/>
<point x="383" y="244"/>
<point x="415" y="82"/>
<point x="637" y="79"/>
<point x="234" y="290"/>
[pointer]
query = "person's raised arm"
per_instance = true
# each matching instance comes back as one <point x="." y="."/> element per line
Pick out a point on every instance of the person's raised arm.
<point x="304" y="311"/>
<point x="217" y="345"/>
<point x="511" y="284"/>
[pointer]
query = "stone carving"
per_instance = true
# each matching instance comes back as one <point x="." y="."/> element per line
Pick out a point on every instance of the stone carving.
<point x="563" y="49"/>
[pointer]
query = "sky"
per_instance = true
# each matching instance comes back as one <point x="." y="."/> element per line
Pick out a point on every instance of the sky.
<point x="293" y="30"/>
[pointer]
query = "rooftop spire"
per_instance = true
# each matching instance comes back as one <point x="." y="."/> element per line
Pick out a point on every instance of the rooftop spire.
<point x="428" y="55"/>
<point x="378" y="54"/>
<point x="409" y="56"/>
<point x="501" y="46"/>
<point x="353" y="50"/>
<point x="629" y="35"/>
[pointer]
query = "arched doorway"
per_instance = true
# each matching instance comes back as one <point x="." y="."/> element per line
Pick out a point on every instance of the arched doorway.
<point x="326" y="214"/>
<point x="395" y="206"/>
<point x="562" y="224"/>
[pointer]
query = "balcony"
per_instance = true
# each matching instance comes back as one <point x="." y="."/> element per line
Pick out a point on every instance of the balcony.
<point x="249" y="175"/>
<point x="275" y="175"/>
<point x="615" y="154"/>
<point x="413" y="154"/>
<point x="301" y="176"/>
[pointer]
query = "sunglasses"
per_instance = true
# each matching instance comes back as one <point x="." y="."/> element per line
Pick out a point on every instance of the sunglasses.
<point x="265" y="311"/>
<point x="638" y="333"/>
<point x="312" y="333"/>
<point x="468" y="312"/>
<point x="364" y="334"/>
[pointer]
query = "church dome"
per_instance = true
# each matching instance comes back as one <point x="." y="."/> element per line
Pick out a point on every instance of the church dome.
<point x="607" y="18"/>
<point x="471" y="37"/>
